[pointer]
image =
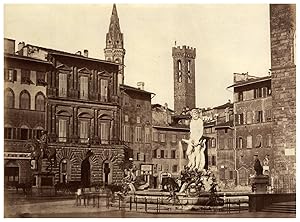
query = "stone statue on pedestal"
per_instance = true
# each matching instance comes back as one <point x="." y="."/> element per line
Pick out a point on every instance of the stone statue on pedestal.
<point x="196" y="144"/>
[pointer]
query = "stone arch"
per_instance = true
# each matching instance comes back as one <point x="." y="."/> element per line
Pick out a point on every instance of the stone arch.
<point x="40" y="101"/>
<point x="9" y="97"/>
<point x="25" y="100"/>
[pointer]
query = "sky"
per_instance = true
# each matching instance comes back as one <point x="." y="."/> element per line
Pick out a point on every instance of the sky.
<point x="228" y="39"/>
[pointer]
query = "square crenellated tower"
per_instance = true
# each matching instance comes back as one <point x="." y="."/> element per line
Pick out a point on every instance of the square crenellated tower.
<point x="184" y="77"/>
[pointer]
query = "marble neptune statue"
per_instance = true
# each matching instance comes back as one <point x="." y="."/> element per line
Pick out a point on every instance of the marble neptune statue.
<point x="196" y="144"/>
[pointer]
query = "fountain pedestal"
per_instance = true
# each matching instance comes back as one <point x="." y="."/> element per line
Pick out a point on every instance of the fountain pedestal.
<point x="260" y="183"/>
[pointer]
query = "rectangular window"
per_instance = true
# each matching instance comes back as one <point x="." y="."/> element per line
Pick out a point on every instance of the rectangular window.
<point x="241" y="118"/>
<point x="213" y="142"/>
<point x="126" y="118"/>
<point x="240" y="143"/>
<point x="154" y="155"/>
<point x="40" y="78"/>
<point x="126" y="133"/>
<point x="269" y="138"/>
<point x="84" y="87"/>
<point x="138" y="119"/>
<point x="240" y="96"/>
<point x="104" y="90"/>
<point x="162" y="154"/>
<point x="138" y="134"/>
<point x="141" y="157"/>
<point x="259" y="116"/>
<point x="147" y="135"/>
<point x="162" y="137"/>
<point x="173" y="154"/>
<point x="8" y="133"/>
<point x="249" y="141"/>
<point x="174" y="168"/>
<point x="213" y="160"/>
<point x="10" y="75"/>
<point x="62" y="130"/>
<point x="249" y="117"/>
<point x="25" y="76"/>
<point x="104" y="132"/>
<point x="62" y="83"/>
<point x="155" y="136"/>
<point x="264" y="92"/>
<point x="268" y="115"/>
<point x="174" y="138"/>
<point x="84" y="131"/>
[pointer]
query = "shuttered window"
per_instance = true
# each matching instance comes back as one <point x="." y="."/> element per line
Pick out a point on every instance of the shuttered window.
<point x="84" y="131"/>
<point x="104" y="132"/>
<point x="62" y="130"/>
<point x="147" y="135"/>
<point x="84" y="87"/>
<point x="62" y="84"/>
<point x="104" y="90"/>
<point x="138" y="134"/>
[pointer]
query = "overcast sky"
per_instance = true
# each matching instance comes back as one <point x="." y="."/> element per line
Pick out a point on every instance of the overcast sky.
<point x="228" y="39"/>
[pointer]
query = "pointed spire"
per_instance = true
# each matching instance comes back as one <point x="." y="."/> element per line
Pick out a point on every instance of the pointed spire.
<point x="114" y="11"/>
<point x="114" y="26"/>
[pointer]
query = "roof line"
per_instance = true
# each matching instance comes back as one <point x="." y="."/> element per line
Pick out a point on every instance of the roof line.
<point x="243" y="83"/>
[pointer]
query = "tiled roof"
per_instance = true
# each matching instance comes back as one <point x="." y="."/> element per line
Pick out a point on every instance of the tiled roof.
<point x="250" y="81"/>
<point x="126" y="87"/>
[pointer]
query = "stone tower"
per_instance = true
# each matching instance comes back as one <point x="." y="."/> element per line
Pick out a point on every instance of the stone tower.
<point x="114" y="50"/>
<point x="184" y="77"/>
<point x="283" y="68"/>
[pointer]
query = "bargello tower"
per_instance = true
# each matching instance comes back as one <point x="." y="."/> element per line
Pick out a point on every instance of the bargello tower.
<point x="114" y="50"/>
<point x="184" y="77"/>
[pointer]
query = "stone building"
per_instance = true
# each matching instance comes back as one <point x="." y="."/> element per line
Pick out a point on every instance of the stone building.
<point x="24" y="110"/>
<point x="168" y="154"/>
<point x="137" y="127"/>
<point x="225" y="161"/>
<point x="82" y="115"/>
<point x="184" y="78"/>
<point x="252" y="122"/>
<point x="283" y="70"/>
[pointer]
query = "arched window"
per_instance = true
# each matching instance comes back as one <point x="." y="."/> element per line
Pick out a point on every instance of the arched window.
<point x="24" y="100"/>
<point x="25" y="133"/>
<point x="179" y="71"/>
<point x="9" y="98"/>
<point x="189" y="72"/>
<point x="40" y="102"/>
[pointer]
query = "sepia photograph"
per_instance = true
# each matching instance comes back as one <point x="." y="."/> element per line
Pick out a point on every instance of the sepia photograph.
<point x="149" y="110"/>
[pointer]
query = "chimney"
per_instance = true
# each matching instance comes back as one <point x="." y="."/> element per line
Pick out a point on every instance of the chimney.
<point x="86" y="53"/>
<point x="20" y="48"/>
<point x="140" y="85"/>
<point x="78" y="53"/>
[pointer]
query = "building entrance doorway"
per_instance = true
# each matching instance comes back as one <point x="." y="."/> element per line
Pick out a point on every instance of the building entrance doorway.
<point x="86" y="173"/>
<point x="107" y="174"/>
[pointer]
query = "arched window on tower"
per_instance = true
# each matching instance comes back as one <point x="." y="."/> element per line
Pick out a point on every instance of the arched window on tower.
<point x="189" y="74"/>
<point x="179" y="71"/>
<point x="24" y="100"/>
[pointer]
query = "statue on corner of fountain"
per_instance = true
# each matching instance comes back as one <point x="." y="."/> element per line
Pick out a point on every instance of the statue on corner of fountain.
<point x="196" y="142"/>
